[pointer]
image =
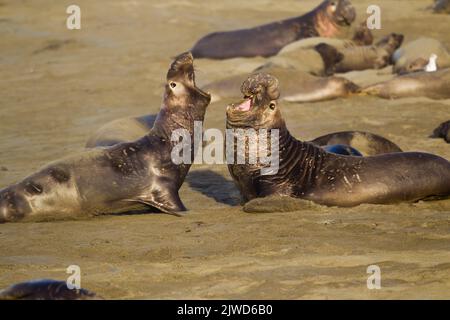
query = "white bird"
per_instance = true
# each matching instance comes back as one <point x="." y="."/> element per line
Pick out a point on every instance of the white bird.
<point x="432" y="66"/>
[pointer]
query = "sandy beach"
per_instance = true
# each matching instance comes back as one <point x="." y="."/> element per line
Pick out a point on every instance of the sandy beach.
<point x="58" y="86"/>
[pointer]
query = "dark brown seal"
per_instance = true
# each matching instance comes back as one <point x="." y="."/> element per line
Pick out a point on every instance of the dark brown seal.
<point x="443" y="131"/>
<point x="138" y="175"/>
<point x="267" y="40"/>
<point x="45" y="289"/>
<point x="308" y="172"/>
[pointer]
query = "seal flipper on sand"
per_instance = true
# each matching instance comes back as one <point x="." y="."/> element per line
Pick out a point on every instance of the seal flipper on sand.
<point x="168" y="202"/>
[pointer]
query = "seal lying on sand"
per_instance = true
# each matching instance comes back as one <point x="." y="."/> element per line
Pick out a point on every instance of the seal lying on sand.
<point x="443" y="131"/>
<point x="362" y="37"/>
<point x="138" y="175"/>
<point x="375" y="56"/>
<point x="368" y="144"/>
<point x="324" y="21"/>
<point x="45" y="290"/>
<point x="415" y="55"/>
<point x="442" y="6"/>
<point x="306" y="171"/>
<point x="434" y="85"/>
<point x="297" y="86"/>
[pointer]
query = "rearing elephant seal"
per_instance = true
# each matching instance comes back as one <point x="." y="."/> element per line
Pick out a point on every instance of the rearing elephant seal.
<point x="324" y="21"/>
<point x="308" y="172"/>
<point x="130" y="176"/>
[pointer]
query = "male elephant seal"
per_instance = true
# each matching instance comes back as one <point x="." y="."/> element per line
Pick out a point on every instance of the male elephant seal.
<point x="308" y="172"/>
<point x="137" y="175"/>
<point x="46" y="290"/>
<point x="443" y="131"/>
<point x="325" y="21"/>
<point x="434" y="85"/>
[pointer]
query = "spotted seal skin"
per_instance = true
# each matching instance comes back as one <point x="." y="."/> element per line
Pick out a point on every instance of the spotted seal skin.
<point x="308" y="172"/>
<point x="433" y="85"/>
<point x="138" y="175"/>
<point x="375" y="56"/>
<point x="267" y="40"/>
<point x="46" y="289"/>
<point x="368" y="144"/>
<point x="443" y="131"/>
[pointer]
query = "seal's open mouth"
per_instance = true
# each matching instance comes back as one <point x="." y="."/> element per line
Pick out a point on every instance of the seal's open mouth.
<point x="244" y="106"/>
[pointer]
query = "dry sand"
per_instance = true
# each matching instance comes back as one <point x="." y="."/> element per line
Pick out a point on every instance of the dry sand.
<point x="58" y="86"/>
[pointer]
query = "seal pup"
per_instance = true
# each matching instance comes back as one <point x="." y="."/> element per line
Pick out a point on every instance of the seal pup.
<point x="138" y="175"/>
<point x="433" y="85"/>
<point x="326" y="20"/>
<point x="375" y="56"/>
<point x="415" y="55"/>
<point x="368" y="144"/>
<point x="443" y="131"/>
<point x="45" y="289"/>
<point x="308" y="172"/>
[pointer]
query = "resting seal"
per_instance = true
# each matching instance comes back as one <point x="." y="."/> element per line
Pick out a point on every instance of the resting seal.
<point x="324" y="21"/>
<point x="368" y="144"/>
<point x="45" y="290"/>
<point x="443" y="131"/>
<point x="415" y="55"/>
<point x="434" y="85"/>
<point x="375" y="56"/>
<point x="310" y="173"/>
<point x="137" y="175"/>
<point x="297" y="86"/>
<point x="442" y="6"/>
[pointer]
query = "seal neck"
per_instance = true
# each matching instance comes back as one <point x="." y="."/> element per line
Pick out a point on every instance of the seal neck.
<point x="325" y="26"/>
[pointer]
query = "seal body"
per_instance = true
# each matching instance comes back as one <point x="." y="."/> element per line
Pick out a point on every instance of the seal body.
<point x="368" y="144"/>
<point x="434" y="85"/>
<point x="138" y="175"/>
<point x="308" y="172"/>
<point x="326" y="20"/>
<point x="441" y="6"/>
<point x="375" y="56"/>
<point x="121" y="130"/>
<point x="415" y="55"/>
<point x="46" y="289"/>
<point x="443" y="131"/>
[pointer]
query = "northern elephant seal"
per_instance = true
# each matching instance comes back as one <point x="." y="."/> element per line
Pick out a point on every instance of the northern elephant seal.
<point x="434" y="85"/>
<point x="415" y="55"/>
<point x="45" y="289"/>
<point x="376" y="56"/>
<point x="308" y="172"/>
<point x="138" y="175"/>
<point x="443" y="131"/>
<point x="441" y="6"/>
<point x="326" y="20"/>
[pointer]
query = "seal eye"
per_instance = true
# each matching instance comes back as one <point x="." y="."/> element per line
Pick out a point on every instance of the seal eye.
<point x="173" y="85"/>
<point x="272" y="106"/>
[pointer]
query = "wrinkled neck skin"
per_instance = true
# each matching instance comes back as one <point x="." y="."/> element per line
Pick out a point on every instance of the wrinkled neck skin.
<point x="171" y="119"/>
<point x="298" y="168"/>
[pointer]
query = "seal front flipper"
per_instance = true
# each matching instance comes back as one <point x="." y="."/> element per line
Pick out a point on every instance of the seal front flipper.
<point x="167" y="202"/>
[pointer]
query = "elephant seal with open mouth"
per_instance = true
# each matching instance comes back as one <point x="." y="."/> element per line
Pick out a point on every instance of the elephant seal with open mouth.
<point x="308" y="172"/>
<point x="267" y="40"/>
<point x="138" y="175"/>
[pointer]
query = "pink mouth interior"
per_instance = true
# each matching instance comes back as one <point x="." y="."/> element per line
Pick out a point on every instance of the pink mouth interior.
<point x="245" y="106"/>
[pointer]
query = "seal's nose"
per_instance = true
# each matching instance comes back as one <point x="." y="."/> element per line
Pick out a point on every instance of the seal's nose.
<point x="13" y="205"/>
<point x="181" y="66"/>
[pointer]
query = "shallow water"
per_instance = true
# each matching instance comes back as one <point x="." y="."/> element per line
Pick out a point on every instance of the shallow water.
<point x="58" y="86"/>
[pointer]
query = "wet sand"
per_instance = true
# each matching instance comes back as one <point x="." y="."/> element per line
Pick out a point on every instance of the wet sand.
<point x="59" y="86"/>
